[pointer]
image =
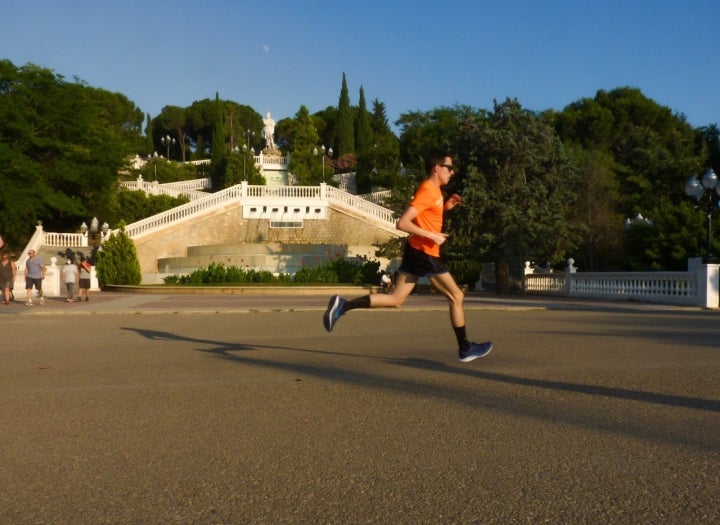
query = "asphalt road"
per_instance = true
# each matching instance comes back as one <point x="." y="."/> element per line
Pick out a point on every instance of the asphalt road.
<point x="579" y="415"/>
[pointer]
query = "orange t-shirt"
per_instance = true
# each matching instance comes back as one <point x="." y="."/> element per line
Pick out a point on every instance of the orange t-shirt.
<point x="428" y="201"/>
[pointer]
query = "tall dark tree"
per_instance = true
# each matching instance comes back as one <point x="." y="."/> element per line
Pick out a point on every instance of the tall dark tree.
<point x="345" y="128"/>
<point x="149" y="144"/>
<point x="364" y="134"/>
<point x="218" y="148"/>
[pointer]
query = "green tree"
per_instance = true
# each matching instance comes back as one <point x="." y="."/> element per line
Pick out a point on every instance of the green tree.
<point x="137" y="205"/>
<point x="378" y="166"/>
<point x="517" y="186"/>
<point x="219" y="153"/>
<point x="62" y="145"/>
<point x="345" y="128"/>
<point x="117" y="262"/>
<point x="364" y="133"/>
<point x="149" y="144"/>
<point x="303" y="164"/>
<point x="172" y="122"/>
<point x="643" y="155"/>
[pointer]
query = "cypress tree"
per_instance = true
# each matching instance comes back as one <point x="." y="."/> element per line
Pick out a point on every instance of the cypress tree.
<point x="364" y="131"/>
<point x="217" y="151"/>
<point x="345" y="131"/>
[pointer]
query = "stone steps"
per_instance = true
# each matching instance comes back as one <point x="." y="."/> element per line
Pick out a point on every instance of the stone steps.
<point x="273" y="257"/>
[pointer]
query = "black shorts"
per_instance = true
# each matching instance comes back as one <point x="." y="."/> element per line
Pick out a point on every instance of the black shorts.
<point x="420" y="264"/>
<point x="84" y="284"/>
<point x="30" y="281"/>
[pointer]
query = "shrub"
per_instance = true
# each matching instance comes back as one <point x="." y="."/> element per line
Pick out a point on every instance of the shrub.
<point x="117" y="261"/>
<point x="339" y="270"/>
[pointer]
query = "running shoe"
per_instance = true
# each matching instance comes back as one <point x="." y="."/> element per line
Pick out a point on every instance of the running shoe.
<point x="476" y="350"/>
<point x="333" y="312"/>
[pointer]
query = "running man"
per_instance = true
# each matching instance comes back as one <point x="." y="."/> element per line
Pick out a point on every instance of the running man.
<point x="423" y="220"/>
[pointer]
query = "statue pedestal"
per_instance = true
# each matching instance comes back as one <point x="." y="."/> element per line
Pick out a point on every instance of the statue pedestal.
<point x="273" y="166"/>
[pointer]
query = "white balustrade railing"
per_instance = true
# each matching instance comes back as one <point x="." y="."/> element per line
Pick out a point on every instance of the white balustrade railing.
<point x="69" y="240"/>
<point x="670" y="287"/>
<point x="190" y="185"/>
<point x="698" y="287"/>
<point x="186" y="211"/>
<point x="368" y="208"/>
<point x="285" y="192"/>
<point x="377" y="197"/>
<point x="189" y="189"/>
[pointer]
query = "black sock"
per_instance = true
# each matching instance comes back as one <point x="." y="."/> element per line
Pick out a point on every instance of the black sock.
<point x="462" y="339"/>
<point x="358" y="302"/>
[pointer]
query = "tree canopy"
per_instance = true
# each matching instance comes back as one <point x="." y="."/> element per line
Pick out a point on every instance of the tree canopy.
<point x="62" y="145"/>
<point x="536" y="186"/>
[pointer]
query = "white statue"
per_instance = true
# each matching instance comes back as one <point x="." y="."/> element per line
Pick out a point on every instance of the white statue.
<point x="268" y="131"/>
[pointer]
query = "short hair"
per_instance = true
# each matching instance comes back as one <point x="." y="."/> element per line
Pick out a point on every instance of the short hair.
<point x="434" y="158"/>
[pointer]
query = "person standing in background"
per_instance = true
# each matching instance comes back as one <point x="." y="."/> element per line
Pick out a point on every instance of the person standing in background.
<point x="70" y="275"/>
<point x="34" y="275"/>
<point x="8" y="271"/>
<point x="85" y="269"/>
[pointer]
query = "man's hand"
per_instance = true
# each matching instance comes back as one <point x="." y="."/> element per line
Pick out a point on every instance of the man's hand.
<point x="453" y="201"/>
<point x="439" y="238"/>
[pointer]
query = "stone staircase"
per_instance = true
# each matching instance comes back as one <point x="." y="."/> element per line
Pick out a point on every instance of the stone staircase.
<point x="272" y="257"/>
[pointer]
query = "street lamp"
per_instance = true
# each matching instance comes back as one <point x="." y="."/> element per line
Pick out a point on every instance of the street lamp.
<point x="248" y="133"/>
<point x="639" y="220"/>
<point x="252" y="152"/>
<point x="706" y="192"/>
<point x="167" y="141"/>
<point x="153" y="157"/>
<point x="95" y="230"/>
<point x="322" y="158"/>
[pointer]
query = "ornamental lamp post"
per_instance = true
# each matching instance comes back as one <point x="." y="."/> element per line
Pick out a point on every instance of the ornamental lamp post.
<point x="706" y="192"/>
<point x="245" y="150"/>
<point x="248" y="134"/>
<point x="167" y="141"/>
<point x="153" y="157"/>
<point x="322" y="157"/>
<point x="95" y="230"/>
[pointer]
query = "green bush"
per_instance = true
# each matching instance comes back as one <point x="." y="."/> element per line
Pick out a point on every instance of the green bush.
<point x="339" y="270"/>
<point x="117" y="261"/>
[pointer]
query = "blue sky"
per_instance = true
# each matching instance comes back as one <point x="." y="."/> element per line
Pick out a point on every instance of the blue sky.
<point x="276" y="55"/>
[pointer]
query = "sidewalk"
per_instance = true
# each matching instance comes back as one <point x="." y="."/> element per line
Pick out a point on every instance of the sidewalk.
<point x="296" y="299"/>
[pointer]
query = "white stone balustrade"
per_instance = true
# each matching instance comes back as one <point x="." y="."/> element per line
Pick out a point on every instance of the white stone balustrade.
<point x="697" y="287"/>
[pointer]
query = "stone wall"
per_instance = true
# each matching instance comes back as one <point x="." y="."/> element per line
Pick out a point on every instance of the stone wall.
<point x="227" y="227"/>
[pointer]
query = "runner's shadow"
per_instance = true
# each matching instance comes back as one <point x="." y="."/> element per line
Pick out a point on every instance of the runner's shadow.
<point x="593" y="390"/>
<point x="219" y="347"/>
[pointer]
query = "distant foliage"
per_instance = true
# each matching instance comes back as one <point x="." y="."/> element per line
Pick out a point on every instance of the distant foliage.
<point x="336" y="271"/>
<point x="216" y="273"/>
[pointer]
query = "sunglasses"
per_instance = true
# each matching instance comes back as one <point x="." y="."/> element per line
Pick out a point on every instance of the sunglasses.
<point x="448" y="166"/>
